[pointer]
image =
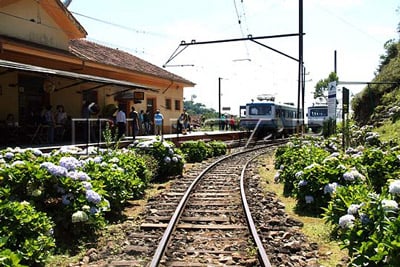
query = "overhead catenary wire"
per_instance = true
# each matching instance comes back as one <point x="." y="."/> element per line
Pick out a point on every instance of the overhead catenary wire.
<point x="240" y="25"/>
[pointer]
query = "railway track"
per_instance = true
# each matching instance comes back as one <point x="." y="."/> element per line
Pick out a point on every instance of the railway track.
<point x="211" y="223"/>
<point x="199" y="221"/>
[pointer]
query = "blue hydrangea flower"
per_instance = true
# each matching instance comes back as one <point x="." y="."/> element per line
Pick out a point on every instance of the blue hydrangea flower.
<point x="346" y="221"/>
<point x="353" y="209"/>
<point x="9" y="155"/>
<point x="302" y="183"/>
<point x="298" y="174"/>
<point x="309" y="199"/>
<point x="389" y="205"/>
<point x="364" y="218"/>
<point x="93" y="196"/>
<point x="394" y="187"/>
<point x="79" y="175"/>
<point x="87" y="185"/>
<point x="66" y="199"/>
<point x="70" y="163"/>
<point x="98" y="159"/>
<point x="37" y="152"/>
<point x="54" y="169"/>
<point x="330" y="188"/>
<point x="348" y="176"/>
<point x="167" y="159"/>
<point x="94" y="210"/>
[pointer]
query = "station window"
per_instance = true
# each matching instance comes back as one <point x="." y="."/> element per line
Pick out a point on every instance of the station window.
<point x="168" y="103"/>
<point x="177" y="105"/>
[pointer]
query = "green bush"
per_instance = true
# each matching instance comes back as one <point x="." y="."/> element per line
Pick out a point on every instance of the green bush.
<point x="169" y="159"/>
<point x="293" y="158"/>
<point x="26" y="234"/>
<point x="122" y="175"/>
<point x="219" y="148"/>
<point x="195" y="151"/>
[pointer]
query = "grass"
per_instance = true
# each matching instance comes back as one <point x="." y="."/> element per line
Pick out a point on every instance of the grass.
<point x="389" y="131"/>
<point x="314" y="228"/>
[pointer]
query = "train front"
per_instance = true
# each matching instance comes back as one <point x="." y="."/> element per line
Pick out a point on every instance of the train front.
<point x="259" y="117"/>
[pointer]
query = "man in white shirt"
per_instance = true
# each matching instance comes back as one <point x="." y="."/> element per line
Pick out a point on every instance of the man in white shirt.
<point x="121" y="121"/>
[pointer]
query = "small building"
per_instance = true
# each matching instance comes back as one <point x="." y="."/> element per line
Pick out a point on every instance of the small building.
<point x="46" y="60"/>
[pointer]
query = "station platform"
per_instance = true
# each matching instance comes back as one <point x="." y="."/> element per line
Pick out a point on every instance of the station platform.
<point x="230" y="137"/>
<point x="206" y="136"/>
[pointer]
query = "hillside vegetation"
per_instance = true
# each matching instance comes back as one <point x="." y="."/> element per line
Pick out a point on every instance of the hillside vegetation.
<point x="378" y="104"/>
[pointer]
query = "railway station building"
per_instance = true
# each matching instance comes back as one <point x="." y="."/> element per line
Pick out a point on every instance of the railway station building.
<point x="46" y="60"/>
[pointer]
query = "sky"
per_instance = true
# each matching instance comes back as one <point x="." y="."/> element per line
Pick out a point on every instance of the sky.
<point x="154" y="29"/>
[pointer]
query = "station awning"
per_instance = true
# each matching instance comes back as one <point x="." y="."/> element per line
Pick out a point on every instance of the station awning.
<point x="72" y="75"/>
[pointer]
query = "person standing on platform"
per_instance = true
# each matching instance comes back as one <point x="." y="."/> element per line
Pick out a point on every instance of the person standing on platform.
<point x="50" y="123"/>
<point x="121" y="121"/>
<point x="135" y="122"/>
<point x="158" y="122"/>
<point x="146" y="122"/>
<point x="141" y="123"/>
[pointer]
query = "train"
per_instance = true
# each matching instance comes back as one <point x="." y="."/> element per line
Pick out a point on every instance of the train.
<point x="265" y="117"/>
<point x="316" y="115"/>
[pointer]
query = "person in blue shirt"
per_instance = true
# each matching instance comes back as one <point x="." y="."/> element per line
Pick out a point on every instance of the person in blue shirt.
<point x="158" y="122"/>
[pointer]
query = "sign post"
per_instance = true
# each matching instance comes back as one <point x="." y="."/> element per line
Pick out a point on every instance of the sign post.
<point x="331" y="107"/>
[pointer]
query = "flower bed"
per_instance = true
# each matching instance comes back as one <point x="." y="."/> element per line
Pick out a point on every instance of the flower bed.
<point x="357" y="191"/>
<point x="60" y="200"/>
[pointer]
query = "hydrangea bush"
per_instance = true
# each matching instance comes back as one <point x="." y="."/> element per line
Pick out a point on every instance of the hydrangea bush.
<point x="26" y="235"/>
<point x="357" y="192"/>
<point x="62" y="198"/>
<point x="74" y="188"/>
<point x="170" y="160"/>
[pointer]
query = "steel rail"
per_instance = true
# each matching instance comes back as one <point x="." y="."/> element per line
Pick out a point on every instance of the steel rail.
<point x="180" y="208"/>
<point x="262" y="255"/>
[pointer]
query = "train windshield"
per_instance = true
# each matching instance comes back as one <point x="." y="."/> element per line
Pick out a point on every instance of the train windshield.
<point x="259" y="109"/>
<point x="318" y="112"/>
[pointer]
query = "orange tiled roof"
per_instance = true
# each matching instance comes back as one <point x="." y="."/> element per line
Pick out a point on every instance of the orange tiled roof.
<point x="105" y="55"/>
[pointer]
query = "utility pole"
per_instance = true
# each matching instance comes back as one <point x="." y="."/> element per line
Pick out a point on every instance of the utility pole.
<point x="300" y="87"/>
<point x="219" y="102"/>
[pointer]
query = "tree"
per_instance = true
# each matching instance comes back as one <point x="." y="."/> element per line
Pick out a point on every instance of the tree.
<point x="199" y="109"/>
<point x="391" y="52"/>
<point x="322" y="85"/>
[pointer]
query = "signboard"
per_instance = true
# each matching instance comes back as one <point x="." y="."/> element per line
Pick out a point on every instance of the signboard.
<point x="332" y="100"/>
<point x="345" y="100"/>
<point x="138" y="95"/>
<point x="226" y="108"/>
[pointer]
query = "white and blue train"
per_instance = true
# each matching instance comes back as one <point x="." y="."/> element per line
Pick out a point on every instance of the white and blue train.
<point x="316" y="115"/>
<point x="267" y="117"/>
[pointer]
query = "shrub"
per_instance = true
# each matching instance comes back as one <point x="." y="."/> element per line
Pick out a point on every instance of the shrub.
<point x="219" y="148"/>
<point x="195" y="151"/>
<point x="293" y="158"/>
<point x="367" y="224"/>
<point x="169" y="159"/>
<point x="26" y="234"/>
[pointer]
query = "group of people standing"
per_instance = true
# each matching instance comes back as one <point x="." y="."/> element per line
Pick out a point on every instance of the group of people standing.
<point x="142" y="122"/>
<point x="184" y="122"/>
<point x="54" y="120"/>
